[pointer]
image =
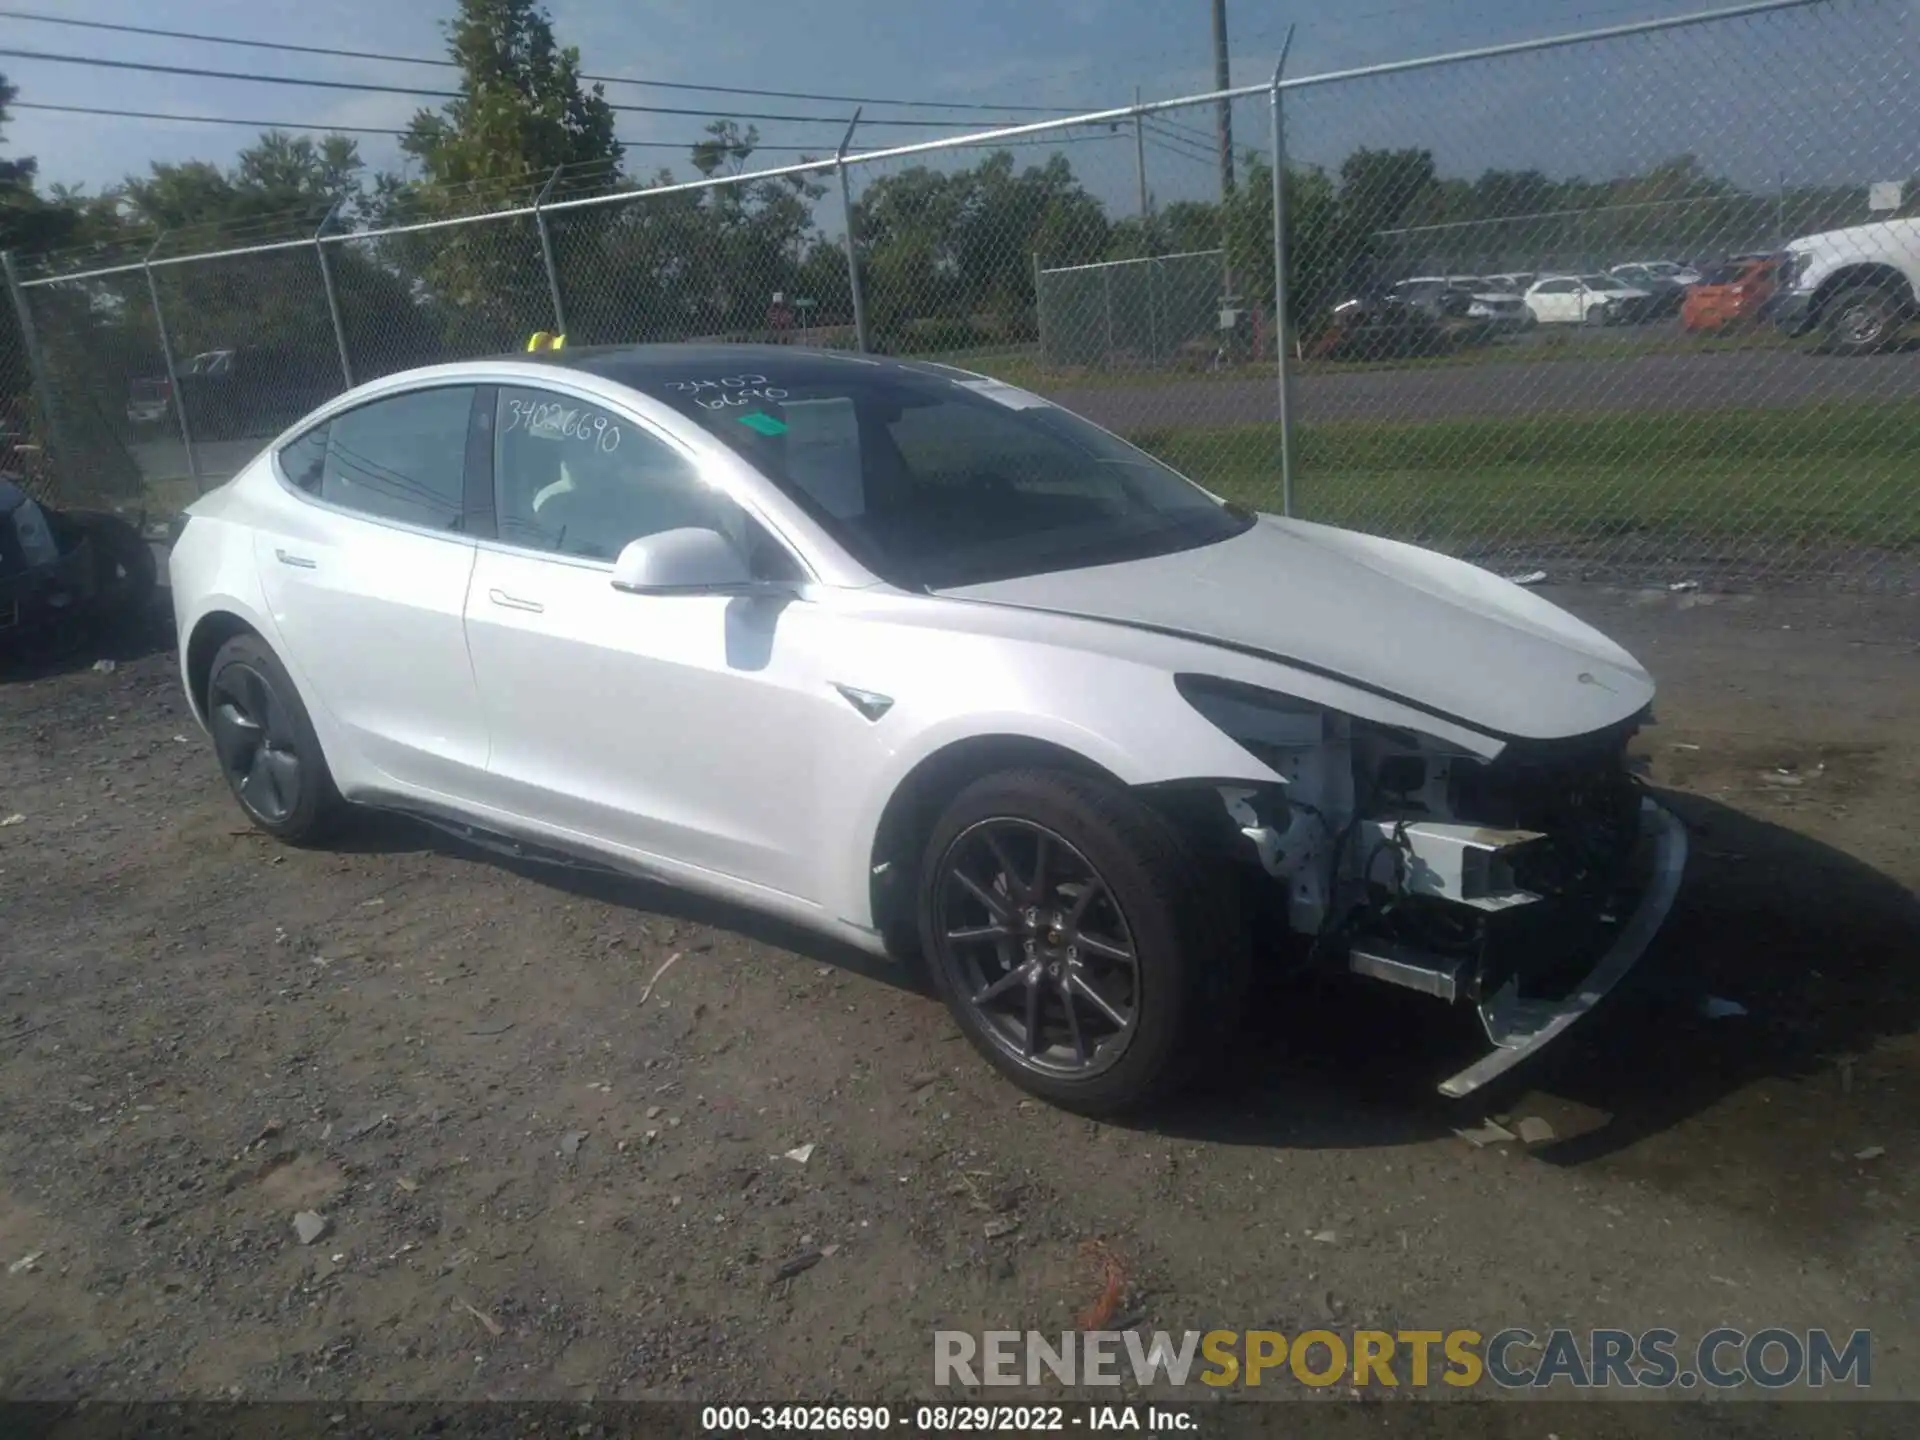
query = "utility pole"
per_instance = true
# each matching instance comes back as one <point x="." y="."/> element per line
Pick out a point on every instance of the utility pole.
<point x="1140" y="153"/>
<point x="1223" y="80"/>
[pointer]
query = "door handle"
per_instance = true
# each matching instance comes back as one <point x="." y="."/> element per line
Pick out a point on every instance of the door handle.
<point x="513" y="602"/>
<point x="300" y="562"/>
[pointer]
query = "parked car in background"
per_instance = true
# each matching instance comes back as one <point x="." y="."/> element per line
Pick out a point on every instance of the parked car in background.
<point x="1672" y="270"/>
<point x="1668" y="293"/>
<point x="1732" y="293"/>
<point x="255" y="390"/>
<point x="1435" y="295"/>
<point x="1515" y="282"/>
<point x="1506" y="310"/>
<point x="1858" y="288"/>
<point x="1586" y="300"/>
<point x="925" y="662"/>
<point x="148" y="401"/>
<point x="64" y="574"/>
<point x="1379" y="328"/>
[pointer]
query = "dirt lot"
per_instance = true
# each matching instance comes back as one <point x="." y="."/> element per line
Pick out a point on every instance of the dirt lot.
<point x="552" y="1165"/>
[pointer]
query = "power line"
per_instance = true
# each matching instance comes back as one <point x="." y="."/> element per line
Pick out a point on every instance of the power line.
<point x="339" y="129"/>
<point x="1178" y="145"/>
<point x="368" y="87"/>
<point x="1050" y="141"/>
<point x="292" y="48"/>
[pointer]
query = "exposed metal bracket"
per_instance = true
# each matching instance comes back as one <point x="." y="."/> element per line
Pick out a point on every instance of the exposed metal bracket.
<point x="1520" y="1027"/>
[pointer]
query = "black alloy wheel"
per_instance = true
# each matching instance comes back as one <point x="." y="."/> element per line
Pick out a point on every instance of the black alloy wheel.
<point x="1032" y="938"/>
<point x="254" y="737"/>
<point x="266" y="744"/>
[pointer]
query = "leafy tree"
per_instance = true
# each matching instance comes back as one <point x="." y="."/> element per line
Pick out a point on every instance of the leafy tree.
<point x="961" y="246"/>
<point x="521" y="110"/>
<point x="27" y="221"/>
<point x="691" y="262"/>
<point x="521" y="116"/>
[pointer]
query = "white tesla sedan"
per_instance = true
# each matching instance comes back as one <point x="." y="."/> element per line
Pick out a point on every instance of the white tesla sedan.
<point x="928" y="663"/>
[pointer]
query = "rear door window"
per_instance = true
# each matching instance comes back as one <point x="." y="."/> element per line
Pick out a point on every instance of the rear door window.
<point x="402" y="458"/>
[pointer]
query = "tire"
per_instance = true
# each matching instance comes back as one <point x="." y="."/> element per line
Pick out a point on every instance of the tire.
<point x="253" y="712"/>
<point x="1861" y="320"/>
<point x="1596" y="315"/>
<point x="1119" y="878"/>
<point x="125" y="573"/>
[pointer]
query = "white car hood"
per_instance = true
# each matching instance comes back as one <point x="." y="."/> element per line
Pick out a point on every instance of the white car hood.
<point x="1442" y="635"/>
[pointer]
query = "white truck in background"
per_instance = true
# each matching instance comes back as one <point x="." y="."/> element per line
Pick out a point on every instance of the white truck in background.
<point x="1858" y="288"/>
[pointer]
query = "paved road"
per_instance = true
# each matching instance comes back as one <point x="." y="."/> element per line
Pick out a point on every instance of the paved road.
<point x="1640" y="383"/>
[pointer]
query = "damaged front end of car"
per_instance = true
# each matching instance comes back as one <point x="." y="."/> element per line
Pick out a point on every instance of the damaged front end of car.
<point x="1525" y="882"/>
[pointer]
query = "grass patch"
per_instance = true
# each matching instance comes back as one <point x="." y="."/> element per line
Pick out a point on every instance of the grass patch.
<point x="1820" y="474"/>
<point x="1026" y="368"/>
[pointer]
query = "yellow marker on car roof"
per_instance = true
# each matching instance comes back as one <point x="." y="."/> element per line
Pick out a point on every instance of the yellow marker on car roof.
<point x="546" y="340"/>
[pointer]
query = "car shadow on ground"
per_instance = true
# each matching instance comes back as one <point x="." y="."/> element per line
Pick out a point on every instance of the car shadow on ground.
<point x="1817" y="948"/>
<point x="378" y="833"/>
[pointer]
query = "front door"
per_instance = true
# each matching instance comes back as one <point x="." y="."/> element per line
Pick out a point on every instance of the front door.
<point x="684" y="727"/>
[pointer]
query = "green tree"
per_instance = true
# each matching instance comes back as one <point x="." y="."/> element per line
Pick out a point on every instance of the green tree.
<point x="947" y="254"/>
<point x="521" y="109"/>
<point x="27" y="220"/>
<point x="521" y="116"/>
<point x="691" y="262"/>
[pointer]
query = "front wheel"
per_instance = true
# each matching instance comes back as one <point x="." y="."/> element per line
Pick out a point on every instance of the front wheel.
<point x="1862" y="320"/>
<point x="266" y="743"/>
<point x="1076" y="941"/>
<point x="1596" y="315"/>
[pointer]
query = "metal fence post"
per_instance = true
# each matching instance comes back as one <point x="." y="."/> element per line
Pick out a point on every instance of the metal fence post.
<point x="854" y="285"/>
<point x="546" y="252"/>
<point x="173" y="375"/>
<point x="1282" y="373"/>
<point x="1039" y="311"/>
<point x="37" y="371"/>
<point x="1106" y="290"/>
<point x="333" y="300"/>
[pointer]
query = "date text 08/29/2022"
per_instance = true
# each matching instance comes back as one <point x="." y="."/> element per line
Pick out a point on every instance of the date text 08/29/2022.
<point x="945" y="1419"/>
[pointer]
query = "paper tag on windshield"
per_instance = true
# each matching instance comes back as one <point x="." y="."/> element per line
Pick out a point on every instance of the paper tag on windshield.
<point x="1011" y="396"/>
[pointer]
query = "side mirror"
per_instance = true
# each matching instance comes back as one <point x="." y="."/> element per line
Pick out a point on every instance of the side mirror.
<point x="688" y="561"/>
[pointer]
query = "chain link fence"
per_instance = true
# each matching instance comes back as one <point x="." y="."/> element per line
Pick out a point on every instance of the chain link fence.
<point x="1634" y="305"/>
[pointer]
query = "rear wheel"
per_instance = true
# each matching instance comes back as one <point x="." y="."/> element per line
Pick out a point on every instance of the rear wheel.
<point x="267" y="747"/>
<point x="1862" y="319"/>
<point x="1078" y="945"/>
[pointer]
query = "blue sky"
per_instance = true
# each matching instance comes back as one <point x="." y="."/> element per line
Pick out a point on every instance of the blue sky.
<point x="1805" y="96"/>
<point x="1042" y="52"/>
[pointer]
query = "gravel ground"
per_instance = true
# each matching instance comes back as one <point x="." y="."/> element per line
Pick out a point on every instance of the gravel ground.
<point x="551" y="1125"/>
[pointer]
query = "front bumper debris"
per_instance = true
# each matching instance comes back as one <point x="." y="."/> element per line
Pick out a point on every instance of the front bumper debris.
<point x="1521" y="1027"/>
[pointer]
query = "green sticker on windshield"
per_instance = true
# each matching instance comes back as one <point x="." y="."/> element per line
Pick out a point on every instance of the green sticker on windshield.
<point x="765" y="424"/>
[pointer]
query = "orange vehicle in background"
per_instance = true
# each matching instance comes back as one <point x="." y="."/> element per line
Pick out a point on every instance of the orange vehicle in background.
<point x="1730" y="294"/>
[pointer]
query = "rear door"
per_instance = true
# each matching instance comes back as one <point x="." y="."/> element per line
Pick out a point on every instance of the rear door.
<point x="365" y="568"/>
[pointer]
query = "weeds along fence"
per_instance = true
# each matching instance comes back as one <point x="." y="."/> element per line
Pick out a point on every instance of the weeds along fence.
<point x="1231" y="308"/>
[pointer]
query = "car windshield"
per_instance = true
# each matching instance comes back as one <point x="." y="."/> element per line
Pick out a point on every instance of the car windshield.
<point x="1601" y="282"/>
<point x="1725" y="274"/>
<point x="934" y="477"/>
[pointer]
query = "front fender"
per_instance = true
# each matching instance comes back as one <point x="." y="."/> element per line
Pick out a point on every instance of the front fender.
<point x="1126" y="717"/>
